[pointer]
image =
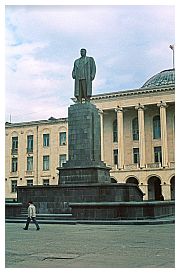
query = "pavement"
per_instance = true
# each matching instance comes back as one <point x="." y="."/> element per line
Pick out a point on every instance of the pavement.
<point x="90" y="246"/>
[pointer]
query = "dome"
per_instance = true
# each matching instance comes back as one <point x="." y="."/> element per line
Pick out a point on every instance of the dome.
<point x="163" y="78"/>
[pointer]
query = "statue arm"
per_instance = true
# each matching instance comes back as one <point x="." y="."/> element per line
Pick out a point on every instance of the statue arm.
<point x="93" y="69"/>
<point x="73" y="72"/>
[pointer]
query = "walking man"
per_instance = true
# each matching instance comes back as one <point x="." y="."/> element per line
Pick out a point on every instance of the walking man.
<point x="31" y="216"/>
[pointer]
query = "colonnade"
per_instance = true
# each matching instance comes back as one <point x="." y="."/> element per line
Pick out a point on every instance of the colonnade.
<point x="140" y="108"/>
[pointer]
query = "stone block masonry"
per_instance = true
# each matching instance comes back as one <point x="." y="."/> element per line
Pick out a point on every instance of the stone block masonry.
<point x="84" y="147"/>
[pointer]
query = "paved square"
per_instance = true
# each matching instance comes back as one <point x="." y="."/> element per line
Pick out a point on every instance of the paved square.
<point x="90" y="246"/>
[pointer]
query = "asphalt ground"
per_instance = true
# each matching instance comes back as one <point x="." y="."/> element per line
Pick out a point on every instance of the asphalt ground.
<point x="90" y="246"/>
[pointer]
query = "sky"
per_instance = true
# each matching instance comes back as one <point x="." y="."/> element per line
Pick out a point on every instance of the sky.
<point x="128" y="43"/>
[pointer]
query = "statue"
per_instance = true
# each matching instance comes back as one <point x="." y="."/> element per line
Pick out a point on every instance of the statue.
<point x="84" y="73"/>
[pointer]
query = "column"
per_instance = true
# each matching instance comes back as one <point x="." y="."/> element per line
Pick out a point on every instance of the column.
<point x="166" y="190"/>
<point x="102" y="133"/>
<point x="140" y="109"/>
<point x="162" y="106"/>
<point x="119" y="111"/>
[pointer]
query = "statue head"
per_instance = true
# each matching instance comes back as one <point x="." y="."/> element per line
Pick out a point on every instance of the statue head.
<point x="83" y="52"/>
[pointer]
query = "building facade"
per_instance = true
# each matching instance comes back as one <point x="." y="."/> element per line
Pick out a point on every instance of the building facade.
<point x="137" y="141"/>
<point x="33" y="152"/>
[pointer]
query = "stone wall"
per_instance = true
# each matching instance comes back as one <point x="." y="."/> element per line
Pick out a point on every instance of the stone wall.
<point x="12" y="209"/>
<point x="84" y="163"/>
<point x="122" y="210"/>
<point x="55" y="199"/>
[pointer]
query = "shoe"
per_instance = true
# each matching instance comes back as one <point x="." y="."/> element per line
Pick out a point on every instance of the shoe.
<point x="38" y="229"/>
<point x="25" y="228"/>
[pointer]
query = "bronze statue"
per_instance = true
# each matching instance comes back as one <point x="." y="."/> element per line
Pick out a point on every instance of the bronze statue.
<point x="84" y="73"/>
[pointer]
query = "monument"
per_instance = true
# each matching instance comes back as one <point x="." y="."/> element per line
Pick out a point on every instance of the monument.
<point x="84" y="163"/>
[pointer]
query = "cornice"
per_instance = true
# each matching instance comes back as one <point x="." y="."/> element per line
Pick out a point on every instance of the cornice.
<point x="35" y="123"/>
<point x="133" y="92"/>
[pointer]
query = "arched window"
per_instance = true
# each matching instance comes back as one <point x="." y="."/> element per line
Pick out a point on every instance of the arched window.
<point x="115" y="133"/>
<point x="154" y="188"/>
<point x="132" y="180"/>
<point x="135" y="129"/>
<point x="156" y="127"/>
<point x="113" y="180"/>
<point x="172" y="183"/>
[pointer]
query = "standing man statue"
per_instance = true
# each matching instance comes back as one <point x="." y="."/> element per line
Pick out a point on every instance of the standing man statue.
<point x="84" y="73"/>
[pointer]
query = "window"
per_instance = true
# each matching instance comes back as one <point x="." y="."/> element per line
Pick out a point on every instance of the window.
<point x="45" y="162"/>
<point x="14" y="166"/>
<point x="62" y="138"/>
<point x="136" y="155"/>
<point x="14" y="186"/>
<point x="115" y="156"/>
<point x="135" y="129"/>
<point x="30" y="182"/>
<point x="115" y="132"/>
<point x="29" y="163"/>
<point x="157" y="154"/>
<point x="14" y="145"/>
<point x="45" y="140"/>
<point x="62" y="159"/>
<point x="156" y="127"/>
<point x="30" y="143"/>
<point x="45" y="182"/>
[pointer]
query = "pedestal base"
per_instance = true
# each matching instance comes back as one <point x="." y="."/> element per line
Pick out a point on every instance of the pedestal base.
<point x="84" y="175"/>
<point x="84" y="165"/>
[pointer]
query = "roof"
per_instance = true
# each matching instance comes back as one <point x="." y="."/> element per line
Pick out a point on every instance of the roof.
<point x="51" y="120"/>
<point x="163" y="78"/>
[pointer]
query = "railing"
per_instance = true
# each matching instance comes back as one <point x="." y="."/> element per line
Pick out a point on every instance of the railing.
<point x="153" y="165"/>
<point x="29" y="173"/>
<point x="63" y="143"/>
<point x="134" y="166"/>
<point x="14" y="174"/>
<point x="14" y="151"/>
<point x="29" y="150"/>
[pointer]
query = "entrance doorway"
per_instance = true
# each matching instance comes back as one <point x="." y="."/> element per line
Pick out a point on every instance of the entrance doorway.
<point x="154" y="188"/>
<point x="172" y="183"/>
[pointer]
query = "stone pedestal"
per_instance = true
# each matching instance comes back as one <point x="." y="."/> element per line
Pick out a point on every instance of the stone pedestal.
<point x="55" y="198"/>
<point x="84" y="163"/>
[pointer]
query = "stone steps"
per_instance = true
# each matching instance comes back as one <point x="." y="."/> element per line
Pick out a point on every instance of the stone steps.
<point x="62" y="218"/>
<point x="42" y="221"/>
<point x="44" y="216"/>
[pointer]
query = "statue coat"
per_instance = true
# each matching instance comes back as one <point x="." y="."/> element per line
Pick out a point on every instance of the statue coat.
<point x="90" y="71"/>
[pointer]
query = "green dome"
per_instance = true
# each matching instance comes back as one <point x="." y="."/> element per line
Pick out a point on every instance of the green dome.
<point x="165" y="77"/>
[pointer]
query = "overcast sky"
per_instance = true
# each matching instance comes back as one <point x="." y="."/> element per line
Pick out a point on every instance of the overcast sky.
<point x="129" y="44"/>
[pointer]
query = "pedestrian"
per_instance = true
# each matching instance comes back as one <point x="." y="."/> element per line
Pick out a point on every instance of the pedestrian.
<point x="31" y="216"/>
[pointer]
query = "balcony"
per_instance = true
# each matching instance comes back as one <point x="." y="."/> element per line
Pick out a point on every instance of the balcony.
<point x="155" y="165"/>
<point x="14" y="174"/>
<point x="29" y="173"/>
<point x="63" y="143"/>
<point x="29" y="150"/>
<point x="129" y="167"/>
<point x="14" y="151"/>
